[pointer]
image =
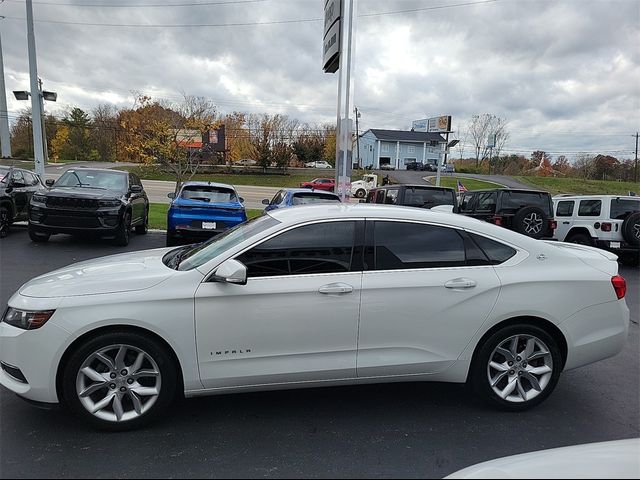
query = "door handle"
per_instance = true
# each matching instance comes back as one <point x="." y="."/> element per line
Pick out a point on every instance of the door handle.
<point x="566" y="223"/>
<point x="336" y="289"/>
<point x="460" y="283"/>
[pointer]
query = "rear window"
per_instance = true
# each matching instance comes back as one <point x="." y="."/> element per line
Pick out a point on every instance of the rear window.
<point x="428" y="197"/>
<point x="209" y="194"/>
<point x="518" y="200"/>
<point x="313" y="197"/>
<point x="622" y="208"/>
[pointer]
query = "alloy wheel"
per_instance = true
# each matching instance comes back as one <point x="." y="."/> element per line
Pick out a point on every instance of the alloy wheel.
<point x="636" y="230"/>
<point x="520" y="368"/>
<point x="118" y="383"/>
<point x="533" y="223"/>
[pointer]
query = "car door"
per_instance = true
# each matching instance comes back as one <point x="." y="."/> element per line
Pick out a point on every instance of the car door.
<point x="485" y="206"/>
<point x="295" y="320"/>
<point x="138" y="200"/>
<point x="426" y="291"/>
<point x="20" y="194"/>
<point x="563" y="215"/>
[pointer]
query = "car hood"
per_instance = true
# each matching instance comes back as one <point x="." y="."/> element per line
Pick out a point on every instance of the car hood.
<point x="112" y="274"/>
<point x="82" y="192"/>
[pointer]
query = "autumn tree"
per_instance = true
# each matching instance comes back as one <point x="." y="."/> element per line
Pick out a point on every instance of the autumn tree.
<point x="104" y="131"/>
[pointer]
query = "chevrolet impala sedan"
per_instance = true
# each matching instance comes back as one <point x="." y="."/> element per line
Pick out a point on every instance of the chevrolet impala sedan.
<point x="314" y="296"/>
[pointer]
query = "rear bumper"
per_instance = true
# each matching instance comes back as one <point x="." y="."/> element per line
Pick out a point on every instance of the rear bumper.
<point x="617" y="246"/>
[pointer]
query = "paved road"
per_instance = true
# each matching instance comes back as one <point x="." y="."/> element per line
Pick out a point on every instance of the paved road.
<point x="402" y="430"/>
<point x="403" y="176"/>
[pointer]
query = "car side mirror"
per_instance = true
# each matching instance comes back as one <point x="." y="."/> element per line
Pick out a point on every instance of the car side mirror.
<point x="241" y="200"/>
<point x="171" y="195"/>
<point x="136" y="188"/>
<point x="49" y="182"/>
<point x="265" y="201"/>
<point x="231" y="271"/>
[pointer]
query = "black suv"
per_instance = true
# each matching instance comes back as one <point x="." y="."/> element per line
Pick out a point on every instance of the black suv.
<point x="529" y="212"/>
<point x="105" y="203"/>
<point x="16" y="188"/>
<point x="418" y="166"/>
<point x="421" y="196"/>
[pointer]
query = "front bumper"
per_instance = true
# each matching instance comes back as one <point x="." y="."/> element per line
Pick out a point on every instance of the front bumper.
<point x="102" y="221"/>
<point x="36" y="354"/>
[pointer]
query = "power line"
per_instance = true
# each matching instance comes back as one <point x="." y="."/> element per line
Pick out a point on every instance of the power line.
<point x="247" y="24"/>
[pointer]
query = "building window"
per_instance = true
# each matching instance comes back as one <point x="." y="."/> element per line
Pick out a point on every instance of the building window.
<point x="412" y="149"/>
<point x="385" y="147"/>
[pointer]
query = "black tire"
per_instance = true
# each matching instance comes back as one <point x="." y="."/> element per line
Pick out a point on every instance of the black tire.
<point x="531" y="221"/>
<point x="5" y="221"/>
<point x="360" y="193"/>
<point x="143" y="228"/>
<point x="165" y="362"/>
<point x="171" y="239"/>
<point x="479" y="372"/>
<point x="631" y="229"/>
<point x="580" y="239"/>
<point x="124" y="231"/>
<point x="38" y="237"/>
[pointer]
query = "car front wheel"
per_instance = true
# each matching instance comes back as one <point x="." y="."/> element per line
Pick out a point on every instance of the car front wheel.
<point x="124" y="231"/>
<point x="143" y="228"/>
<point x="517" y="367"/>
<point x="119" y="380"/>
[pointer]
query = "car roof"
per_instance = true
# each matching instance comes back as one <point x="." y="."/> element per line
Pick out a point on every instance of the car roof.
<point x="414" y="185"/>
<point x="309" y="190"/>
<point x="329" y="211"/>
<point x="207" y="184"/>
<point x="573" y="197"/>
<point x="518" y="190"/>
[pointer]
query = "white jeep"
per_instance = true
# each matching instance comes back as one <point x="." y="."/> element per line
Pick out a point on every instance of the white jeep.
<point x="610" y="222"/>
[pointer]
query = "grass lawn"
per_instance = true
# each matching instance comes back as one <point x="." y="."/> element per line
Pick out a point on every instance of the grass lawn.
<point x="580" y="186"/>
<point x="469" y="183"/>
<point x="158" y="215"/>
<point x="278" y="181"/>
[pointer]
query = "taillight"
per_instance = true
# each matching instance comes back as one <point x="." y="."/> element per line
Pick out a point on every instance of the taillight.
<point x="619" y="285"/>
<point x="553" y="224"/>
<point x="606" y="227"/>
<point x="497" y="220"/>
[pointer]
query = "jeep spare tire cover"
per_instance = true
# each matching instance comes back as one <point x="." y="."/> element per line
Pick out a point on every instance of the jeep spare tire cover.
<point x="631" y="229"/>
<point x="531" y="221"/>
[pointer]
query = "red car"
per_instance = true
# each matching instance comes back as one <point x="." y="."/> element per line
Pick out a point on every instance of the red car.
<point x="328" y="184"/>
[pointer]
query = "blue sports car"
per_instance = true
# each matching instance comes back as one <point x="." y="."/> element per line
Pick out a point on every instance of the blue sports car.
<point x="289" y="197"/>
<point x="202" y="210"/>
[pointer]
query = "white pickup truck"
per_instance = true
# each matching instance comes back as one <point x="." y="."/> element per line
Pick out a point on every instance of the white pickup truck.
<point x="360" y="188"/>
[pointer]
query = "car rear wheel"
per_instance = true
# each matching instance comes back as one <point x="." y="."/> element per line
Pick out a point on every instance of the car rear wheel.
<point x="581" y="239"/>
<point x="5" y="222"/>
<point x="531" y="221"/>
<point x="143" y="228"/>
<point x="124" y="231"/>
<point x="119" y="380"/>
<point x="517" y="367"/>
<point x="38" y="237"/>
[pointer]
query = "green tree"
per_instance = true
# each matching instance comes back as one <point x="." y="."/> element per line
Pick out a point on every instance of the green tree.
<point x="78" y="145"/>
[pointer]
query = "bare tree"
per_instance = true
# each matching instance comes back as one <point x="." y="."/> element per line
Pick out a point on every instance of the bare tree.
<point x="483" y="125"/>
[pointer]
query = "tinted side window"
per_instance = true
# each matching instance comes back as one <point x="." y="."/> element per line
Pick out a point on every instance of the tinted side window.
<point x="29" y="179"/>
<point x="486" y="202"/>
<point x="589" y="208"/>
<point x="318" y="248"/>
<point x="400" y="245"/>
<point x="427" y="198"/>
<point x="496" y="252"/>
<point x="380" y="196"/>
<point x="392" y="196"/>
<point x="565" y="208"/>
<point x="18" y="177"/>
<point x="518" y="200"/>
<point x="465" y="203"/>
<point x="622" y="208"/>
<point x="371" y="196"/>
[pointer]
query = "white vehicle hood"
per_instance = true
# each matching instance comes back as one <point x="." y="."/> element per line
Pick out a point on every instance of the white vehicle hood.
<point x="116" y="273"/>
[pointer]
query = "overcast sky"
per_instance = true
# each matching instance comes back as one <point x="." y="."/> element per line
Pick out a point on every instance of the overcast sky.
<point x="565" y="74"/>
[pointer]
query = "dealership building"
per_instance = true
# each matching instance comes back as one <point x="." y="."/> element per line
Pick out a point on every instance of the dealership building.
<point x="398" y="148"/>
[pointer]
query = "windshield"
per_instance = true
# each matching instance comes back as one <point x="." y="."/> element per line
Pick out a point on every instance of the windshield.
<point x="307" y="198"/>
<point x="202" y="253"/>
<point x="93" y="179"/>
<point x="210" y="194"/>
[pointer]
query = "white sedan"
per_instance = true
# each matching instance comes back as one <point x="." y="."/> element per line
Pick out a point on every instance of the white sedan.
<point x="314" y="296"/>
<point x="318" y="164"/>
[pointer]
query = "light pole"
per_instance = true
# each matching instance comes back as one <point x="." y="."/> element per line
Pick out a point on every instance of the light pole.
<point x="42" y="95"/>
<point x="5" y="138"/>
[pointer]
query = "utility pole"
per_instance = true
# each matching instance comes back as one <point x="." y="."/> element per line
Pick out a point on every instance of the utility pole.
<point x="358" y="136"/>
<point x="36" y="110"/>
<point x="5" y="139"/>
<point x="635" y="172"/>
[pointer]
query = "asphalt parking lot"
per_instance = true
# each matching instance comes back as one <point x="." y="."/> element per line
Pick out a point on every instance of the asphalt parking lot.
<point x="400" y="430"/>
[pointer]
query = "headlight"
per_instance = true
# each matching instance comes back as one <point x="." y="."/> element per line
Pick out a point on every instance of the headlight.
<point x="39" y="198"/>
<point x="27" y="320"/>
<point x="109" y="203"/>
